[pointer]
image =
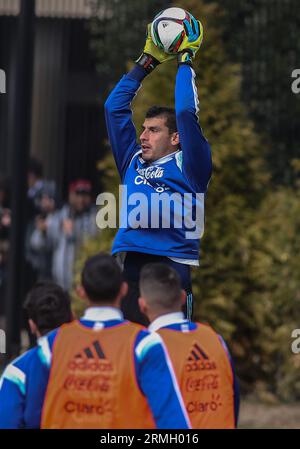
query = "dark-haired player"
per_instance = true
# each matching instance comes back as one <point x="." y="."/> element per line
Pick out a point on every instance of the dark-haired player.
<point x="24" y="381"/>
<point x="200" y="357"/>
<point x="173" y="158"/>
<point x="106" y="372"/>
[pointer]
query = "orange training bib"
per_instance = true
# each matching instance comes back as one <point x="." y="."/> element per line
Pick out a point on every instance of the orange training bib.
<point x="92" y="380"/>
<point x="204" y="375"/>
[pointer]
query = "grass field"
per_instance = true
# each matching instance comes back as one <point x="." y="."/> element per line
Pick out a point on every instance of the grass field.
<point x="261" y="416"/>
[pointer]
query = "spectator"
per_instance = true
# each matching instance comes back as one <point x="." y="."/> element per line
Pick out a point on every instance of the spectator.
<point x="39" y="247"/>
<point x="37" y="255"/>
<point x="37" y="186"/>
<point x="67" y="228"/>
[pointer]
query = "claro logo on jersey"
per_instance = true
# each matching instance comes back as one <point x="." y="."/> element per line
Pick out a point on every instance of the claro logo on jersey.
<point x="211" y="405"/>
<point x="103" y="407"/>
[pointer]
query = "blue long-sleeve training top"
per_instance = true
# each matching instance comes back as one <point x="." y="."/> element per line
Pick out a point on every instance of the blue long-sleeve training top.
<point x="162" y="201"/>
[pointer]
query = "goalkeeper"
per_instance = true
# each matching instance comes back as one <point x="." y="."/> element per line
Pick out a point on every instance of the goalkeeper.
<point x="173" y="157"/>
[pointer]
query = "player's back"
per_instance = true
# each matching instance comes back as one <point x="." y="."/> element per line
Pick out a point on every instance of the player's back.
<point x="204" y="373"/>
<point x="93" y="381"/>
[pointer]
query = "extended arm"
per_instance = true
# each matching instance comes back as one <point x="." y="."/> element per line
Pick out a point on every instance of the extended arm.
<point x="120" y="128"/>
<point x="118" y="113"/>
<point x="197" y="165"/>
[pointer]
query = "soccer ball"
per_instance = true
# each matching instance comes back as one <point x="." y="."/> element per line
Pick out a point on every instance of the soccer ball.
<point x="168" y="29"/>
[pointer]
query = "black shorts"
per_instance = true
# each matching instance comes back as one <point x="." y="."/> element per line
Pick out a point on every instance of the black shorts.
<point x="133" y="264"/>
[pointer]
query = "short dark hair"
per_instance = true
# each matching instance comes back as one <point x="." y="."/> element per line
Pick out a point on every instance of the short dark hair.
<point x="48" y="305"/>
<point x="101" y="278"/>
<point x="167" y="113"/>
<point x="161" y="286"/>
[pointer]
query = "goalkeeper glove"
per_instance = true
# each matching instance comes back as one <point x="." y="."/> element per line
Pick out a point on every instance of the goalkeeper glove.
<point x="191" y="42"/>
<point x="152" y="56"/>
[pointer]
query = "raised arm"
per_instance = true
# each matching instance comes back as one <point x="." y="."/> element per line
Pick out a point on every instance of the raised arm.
<point x="197" y="164"/>
<point x="118" y="113"/>
<point x="196" y="157"/>
<point x="120" y="127"/>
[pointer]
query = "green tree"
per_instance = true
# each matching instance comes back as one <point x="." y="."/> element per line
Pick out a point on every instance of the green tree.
<point x="263" y="36"/>
<point x="276" y="239"/>
<point x="117" y="32"/>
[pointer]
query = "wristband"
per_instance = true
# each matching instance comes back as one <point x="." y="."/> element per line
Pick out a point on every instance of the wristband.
<point x="148" y="62"/>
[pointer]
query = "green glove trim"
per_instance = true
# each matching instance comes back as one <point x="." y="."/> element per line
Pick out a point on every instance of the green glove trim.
<point x="185" y="57"/>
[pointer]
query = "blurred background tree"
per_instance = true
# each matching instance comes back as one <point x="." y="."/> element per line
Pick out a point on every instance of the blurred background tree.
<point x="263" y="35"/>
<point x="117" y="32"/>
<point x="247" y="286"/>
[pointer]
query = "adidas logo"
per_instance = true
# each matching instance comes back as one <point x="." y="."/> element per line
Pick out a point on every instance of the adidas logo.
<point x="91" y="358"/>
<point x="165" y="24"/>
<point x="198" y="360"/>
<point x="92" y="352"/>
<point x="197" y="354"/>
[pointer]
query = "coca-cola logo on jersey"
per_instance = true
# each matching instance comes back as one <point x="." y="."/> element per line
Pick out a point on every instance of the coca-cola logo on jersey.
<point x="84" y="383"/>
<point x="151" y="172"/>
